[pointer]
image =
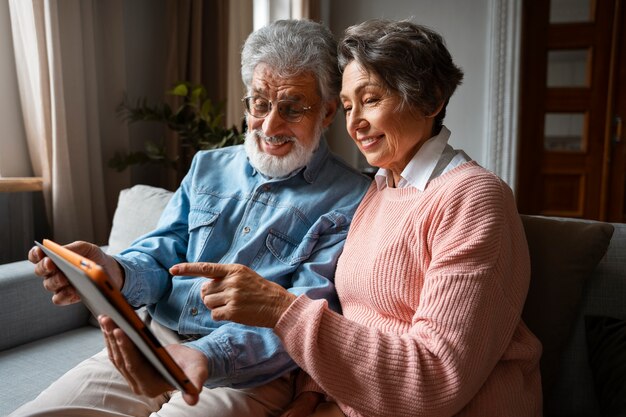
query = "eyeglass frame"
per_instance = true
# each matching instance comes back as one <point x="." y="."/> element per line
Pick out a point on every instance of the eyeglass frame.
<point x="305" y="109"/>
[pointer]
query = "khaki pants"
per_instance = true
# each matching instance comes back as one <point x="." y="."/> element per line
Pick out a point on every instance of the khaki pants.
<point x="96" y="388"/>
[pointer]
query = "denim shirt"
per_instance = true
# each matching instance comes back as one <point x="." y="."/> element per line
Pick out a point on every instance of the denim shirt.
<point x="289" y="230"/>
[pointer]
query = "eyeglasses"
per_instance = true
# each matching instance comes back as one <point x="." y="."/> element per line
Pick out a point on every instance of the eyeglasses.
<point x="289" y="110"/>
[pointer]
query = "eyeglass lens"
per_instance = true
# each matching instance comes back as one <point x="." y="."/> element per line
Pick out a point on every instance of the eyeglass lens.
<point x="289" y="110"/>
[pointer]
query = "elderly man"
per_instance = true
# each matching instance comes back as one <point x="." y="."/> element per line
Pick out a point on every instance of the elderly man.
<point x="280" y="204"/>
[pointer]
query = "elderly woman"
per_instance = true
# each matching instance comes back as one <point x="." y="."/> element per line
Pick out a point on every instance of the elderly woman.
<point x="435" y="269"/>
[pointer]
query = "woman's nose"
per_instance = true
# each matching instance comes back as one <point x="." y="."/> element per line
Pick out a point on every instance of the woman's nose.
<point x="355" y="121"/>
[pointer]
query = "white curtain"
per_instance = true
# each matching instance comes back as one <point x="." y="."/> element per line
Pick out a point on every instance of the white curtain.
<point x="504" y="34"/>
<point x="55" y="46"/>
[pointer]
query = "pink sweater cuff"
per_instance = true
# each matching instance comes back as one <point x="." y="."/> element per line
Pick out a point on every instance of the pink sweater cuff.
<point x="292" y="327"/>
<point x="293" y="319"/>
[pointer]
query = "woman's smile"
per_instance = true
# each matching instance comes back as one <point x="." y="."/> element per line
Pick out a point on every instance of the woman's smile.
<point x="370" y="142"/>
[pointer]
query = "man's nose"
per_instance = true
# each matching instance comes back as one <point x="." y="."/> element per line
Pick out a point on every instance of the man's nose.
<point x="273" y="123"/>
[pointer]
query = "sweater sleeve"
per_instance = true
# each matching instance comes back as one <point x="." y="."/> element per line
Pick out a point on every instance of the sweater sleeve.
<point x="468" y="311"/>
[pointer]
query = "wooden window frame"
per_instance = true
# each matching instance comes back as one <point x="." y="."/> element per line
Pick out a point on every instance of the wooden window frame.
<point x="20" y="184"/>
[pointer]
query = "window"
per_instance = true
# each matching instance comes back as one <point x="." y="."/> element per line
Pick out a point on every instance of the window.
<point x="14" y="160"/>
<point x="266" y="11"/>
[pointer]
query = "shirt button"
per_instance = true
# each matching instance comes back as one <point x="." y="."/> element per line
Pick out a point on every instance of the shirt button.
<point x="266" y="187"/>
<point x="246" y="229"/>
<point x="194" y="311"/>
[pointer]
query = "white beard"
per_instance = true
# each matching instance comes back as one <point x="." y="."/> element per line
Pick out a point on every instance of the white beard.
<point x="278" y="166"/>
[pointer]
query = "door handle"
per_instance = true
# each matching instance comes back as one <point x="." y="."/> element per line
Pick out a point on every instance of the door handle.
<point x="617" y="130"/>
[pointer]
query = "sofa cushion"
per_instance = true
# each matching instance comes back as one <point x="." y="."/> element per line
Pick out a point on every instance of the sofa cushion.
<point x="138" y="211"/>
<point x="603" y="295"/>
<point x="28" y="369"/>
<point x="606" y="343"/>
<point x="563" y="254"/>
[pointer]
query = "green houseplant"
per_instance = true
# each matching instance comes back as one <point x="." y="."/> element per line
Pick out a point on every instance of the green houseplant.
<point x="197" y="122"/>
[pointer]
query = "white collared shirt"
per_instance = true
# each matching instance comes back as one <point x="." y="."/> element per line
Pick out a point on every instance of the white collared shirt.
<point x="433" y="159"/>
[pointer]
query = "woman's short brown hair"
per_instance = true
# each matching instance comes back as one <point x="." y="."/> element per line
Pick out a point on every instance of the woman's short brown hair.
<point x="411" y="60"/>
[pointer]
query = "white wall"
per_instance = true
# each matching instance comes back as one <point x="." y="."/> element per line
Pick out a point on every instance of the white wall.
<point x="463" y="24"/>
<point x="14" y="160"/>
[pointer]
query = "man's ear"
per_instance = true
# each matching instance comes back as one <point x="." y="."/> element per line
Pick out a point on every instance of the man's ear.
<point x="331" y="110"/>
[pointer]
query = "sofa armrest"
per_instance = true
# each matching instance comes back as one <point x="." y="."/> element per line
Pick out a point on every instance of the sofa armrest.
<point x="26" y="309"/>
<point x="27" y="312"/>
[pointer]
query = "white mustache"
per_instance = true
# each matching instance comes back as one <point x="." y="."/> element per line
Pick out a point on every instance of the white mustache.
<point x="274" y="140"/>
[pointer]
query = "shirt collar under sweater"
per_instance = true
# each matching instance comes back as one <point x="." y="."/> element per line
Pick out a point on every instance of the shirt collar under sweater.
<point x="433" y="159"/>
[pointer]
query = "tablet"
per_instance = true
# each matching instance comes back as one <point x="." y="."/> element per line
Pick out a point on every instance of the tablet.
<point x="101" y="297"/>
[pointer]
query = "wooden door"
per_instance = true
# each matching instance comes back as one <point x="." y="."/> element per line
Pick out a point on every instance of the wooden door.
<point x="568" y="164"/>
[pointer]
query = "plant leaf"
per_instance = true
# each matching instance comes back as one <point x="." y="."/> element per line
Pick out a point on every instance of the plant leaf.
<point x="180" y="90"/>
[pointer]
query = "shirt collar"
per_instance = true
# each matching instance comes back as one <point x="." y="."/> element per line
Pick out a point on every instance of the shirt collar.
<point x="312" y="169"/>
<point x="420" y="168"/>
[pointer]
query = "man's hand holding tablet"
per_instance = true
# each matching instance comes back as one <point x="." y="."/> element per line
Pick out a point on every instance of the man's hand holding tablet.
<point x="149" y="368"/>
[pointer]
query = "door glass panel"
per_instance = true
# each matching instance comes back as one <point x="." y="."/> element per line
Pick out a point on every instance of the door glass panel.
<point x="568" y="68"/>
<point x="564" y="132"/>
<point x="570" y="11"/>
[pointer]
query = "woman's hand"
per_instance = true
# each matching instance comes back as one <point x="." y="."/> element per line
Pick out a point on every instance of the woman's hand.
<point x="237" y="293"/>
<point x="141" y="376"/>
<point x="55" y="281"/>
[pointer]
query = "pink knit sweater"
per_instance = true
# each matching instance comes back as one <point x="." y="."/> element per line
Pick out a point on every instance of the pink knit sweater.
<point x="432" y="286"/>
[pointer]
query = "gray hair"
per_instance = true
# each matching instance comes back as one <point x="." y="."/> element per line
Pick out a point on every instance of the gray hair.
<point x="291" y="48"/>
<point x="411" y="60"/>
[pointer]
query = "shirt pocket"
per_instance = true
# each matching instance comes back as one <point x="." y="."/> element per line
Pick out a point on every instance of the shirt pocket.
<point x="325" y="232"/>
<point x="288" y="250"/>
<point x="201" y="226"/>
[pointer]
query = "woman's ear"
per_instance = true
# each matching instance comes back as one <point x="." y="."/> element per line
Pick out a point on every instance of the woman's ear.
<point x="437" y="110"/>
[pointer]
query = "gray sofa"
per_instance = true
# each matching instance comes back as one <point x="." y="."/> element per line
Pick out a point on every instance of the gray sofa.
<point x="572" y="278"/>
